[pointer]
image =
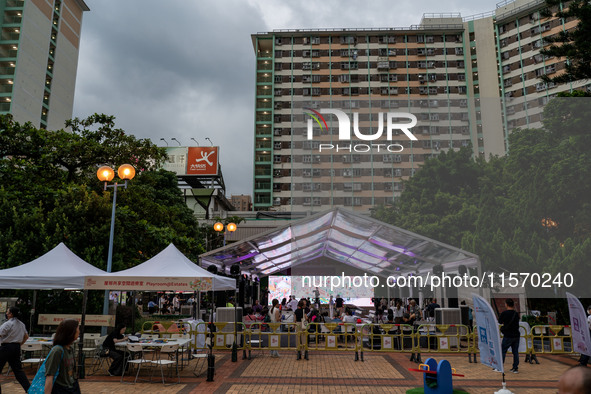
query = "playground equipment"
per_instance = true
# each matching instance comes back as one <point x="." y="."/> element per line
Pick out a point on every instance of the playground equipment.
<point x="437" y="378"/>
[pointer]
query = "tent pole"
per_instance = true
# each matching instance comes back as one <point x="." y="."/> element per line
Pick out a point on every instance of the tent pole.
<point x="234" y="346"/>
<point x="210" y="356"/>
<point x="197" y="308"/>
<point x="81" y="372"/>
<point x="133" y="312"/>
<point x="32" y="318"/>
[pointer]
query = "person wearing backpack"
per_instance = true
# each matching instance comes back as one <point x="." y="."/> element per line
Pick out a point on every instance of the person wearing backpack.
<point x="61" y="360"/>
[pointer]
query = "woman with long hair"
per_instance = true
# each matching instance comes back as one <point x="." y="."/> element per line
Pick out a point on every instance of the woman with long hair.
<point x="62" y="358"/>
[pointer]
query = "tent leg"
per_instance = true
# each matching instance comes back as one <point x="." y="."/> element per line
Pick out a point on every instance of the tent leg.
<point x="133" y="312"/>
<point x="32" y="318"/>
<point x="210" y="356"/>
<point x="234" y="345"/>
<point x="81" y="371"/>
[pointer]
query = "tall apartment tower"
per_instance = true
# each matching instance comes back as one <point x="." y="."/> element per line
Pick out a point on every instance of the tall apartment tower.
<point x="469" y="82"/>
<point x="39" y="58"/>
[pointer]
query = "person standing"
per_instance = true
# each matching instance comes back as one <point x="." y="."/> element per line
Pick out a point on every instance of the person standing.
<point x="331" y="307"/>
<point x="339" y="304"/>
<point x="275" y="315"/>
<point x="292" y="304"/>
<point x="510" y="329"/>
<point x="257" y="307"/>
<point x="584" y="359"/>
<point x="413" y="309"/>
<point x="430" y="309"/>
<point x="300" y="318"/>
<point x="176" y="304"/>
<point x="13" y="334"/>
<point x="398" y="312"/>
<point x="152" y="307"/>
<point x="317" y="298"/>
<point x="62" y="358"/>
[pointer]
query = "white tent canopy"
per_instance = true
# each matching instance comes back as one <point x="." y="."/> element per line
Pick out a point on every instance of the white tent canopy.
<point x="59" y="268"/>
<point x="168" y="270"/>
<point x="343" y="236"/>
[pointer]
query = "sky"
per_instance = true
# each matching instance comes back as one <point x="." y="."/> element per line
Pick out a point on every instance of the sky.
<point x="186" y="69"/>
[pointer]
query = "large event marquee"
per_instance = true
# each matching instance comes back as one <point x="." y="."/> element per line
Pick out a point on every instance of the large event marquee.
<point x="358" y="241"/>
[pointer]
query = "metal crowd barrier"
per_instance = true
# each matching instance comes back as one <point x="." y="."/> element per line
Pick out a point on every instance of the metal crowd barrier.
<point x="332" y="337"/>
<point x="389" y="338"/>
<point x="270" y="336"/>
<point x="444" y="338"/>
<point x="375" y="338"/>
<point x="551" y="339"/>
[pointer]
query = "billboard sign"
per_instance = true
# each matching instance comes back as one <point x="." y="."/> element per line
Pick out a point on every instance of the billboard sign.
<point x="202" y="160"/>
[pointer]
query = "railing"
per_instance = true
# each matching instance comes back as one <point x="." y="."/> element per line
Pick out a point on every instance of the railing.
<point x="355" y="338"/>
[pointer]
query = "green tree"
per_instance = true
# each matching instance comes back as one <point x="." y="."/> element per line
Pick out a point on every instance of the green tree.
<point x="49" y="193"/>
<point x="572" y="44"/>
<point x="526" y="212"/>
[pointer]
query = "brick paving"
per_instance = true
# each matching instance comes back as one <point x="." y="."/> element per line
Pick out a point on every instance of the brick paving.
<point x="333" y="373"/>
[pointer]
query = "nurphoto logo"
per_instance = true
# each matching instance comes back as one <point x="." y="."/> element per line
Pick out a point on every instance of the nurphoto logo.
<point x="392" y="120"/>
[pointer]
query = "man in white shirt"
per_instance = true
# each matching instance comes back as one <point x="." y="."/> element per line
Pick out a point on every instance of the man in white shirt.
<point x="292" y="304"/>
<point x="176" y="304"/>
<point x="13" y="334"/>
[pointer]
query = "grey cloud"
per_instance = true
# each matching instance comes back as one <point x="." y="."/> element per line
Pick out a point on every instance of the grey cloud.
<point x="186" y="68"/>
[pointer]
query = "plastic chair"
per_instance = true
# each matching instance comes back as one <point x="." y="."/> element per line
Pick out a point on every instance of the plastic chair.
<point x="135" y="357"/>
<point x="170" y="351"/>
<point x="99" y="358"/>
<point x="33" y="347"/>
<point x="200" y="361"/>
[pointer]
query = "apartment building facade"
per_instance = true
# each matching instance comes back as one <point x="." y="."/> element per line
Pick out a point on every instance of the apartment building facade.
<point x="467" y="81"/>
<point x="39" y="58"/>
<point x="241" y="202"/>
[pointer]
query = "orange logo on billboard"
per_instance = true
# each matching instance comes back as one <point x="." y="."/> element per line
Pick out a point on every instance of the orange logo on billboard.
<point x="202" y="161"/>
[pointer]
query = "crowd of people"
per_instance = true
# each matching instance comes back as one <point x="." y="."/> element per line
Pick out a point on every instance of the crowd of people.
<point x="169" y="304"/>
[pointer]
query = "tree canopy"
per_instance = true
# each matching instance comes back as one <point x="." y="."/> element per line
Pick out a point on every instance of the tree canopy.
<point x="529" y="211"/>
<point x="572" y="44"/>
<point x="49" y="193"/>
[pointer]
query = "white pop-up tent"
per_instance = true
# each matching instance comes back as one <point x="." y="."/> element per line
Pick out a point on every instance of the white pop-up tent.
<point x="59" y="268"/>
<point x="168" y="270"/>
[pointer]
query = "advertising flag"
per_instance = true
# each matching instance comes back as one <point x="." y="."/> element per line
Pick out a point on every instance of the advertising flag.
<point x="578" y="324"/>
<point x="489" y="338"/>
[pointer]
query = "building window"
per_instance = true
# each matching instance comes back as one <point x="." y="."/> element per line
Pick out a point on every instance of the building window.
<point x="352" y="201"/>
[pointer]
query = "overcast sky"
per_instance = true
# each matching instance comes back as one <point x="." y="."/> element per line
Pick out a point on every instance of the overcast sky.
<point x="185" y="69"/>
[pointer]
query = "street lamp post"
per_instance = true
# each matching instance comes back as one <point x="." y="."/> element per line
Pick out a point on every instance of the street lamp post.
<point x="106" y="174"/>
<point x="231" y="227"/>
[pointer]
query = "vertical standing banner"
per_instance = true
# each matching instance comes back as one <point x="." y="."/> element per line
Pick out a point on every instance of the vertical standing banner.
<point x="487" y="329"/>
<point x="578" y="324"/>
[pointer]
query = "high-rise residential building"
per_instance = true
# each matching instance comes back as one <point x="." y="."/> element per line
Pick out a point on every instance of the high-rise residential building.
<point x="467" y="81"/>
<point x="39" y="58"/>
<point x="242" y="202"/>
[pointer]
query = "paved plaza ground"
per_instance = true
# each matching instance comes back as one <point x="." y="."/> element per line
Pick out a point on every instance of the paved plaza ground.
<point x="332" y="372"/>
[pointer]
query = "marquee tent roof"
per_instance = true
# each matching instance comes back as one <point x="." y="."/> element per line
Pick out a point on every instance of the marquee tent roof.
<point x="59" y="268"/>
<point x="168" y="270"/>
<point x="344" y="236"/>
